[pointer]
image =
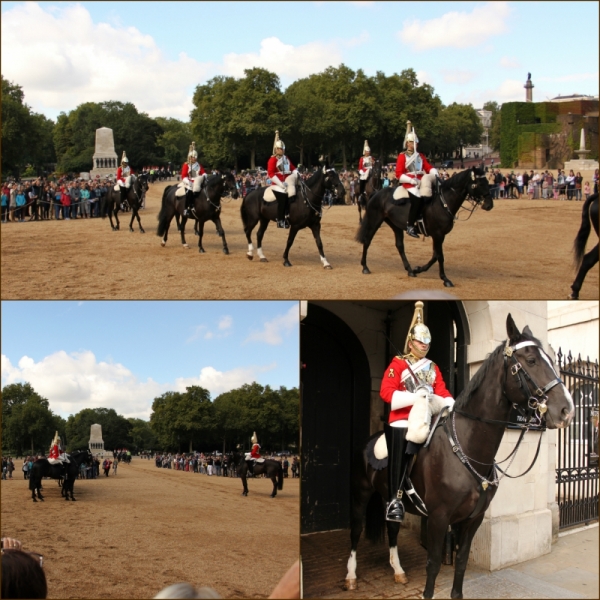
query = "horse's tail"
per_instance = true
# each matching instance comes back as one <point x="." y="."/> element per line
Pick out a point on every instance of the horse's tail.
<point x="164" y="218"/>
<point x="375" y="522"/>
<point x="584" y="231"/>
<point x="280" y="477"/>
<point x="370" y="222"/>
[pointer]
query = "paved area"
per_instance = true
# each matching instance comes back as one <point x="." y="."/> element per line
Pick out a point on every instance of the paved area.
<point x="569" y="571"/>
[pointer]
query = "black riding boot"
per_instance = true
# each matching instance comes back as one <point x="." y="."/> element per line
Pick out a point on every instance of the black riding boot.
<point x="123" y="191"/>
<point x="189" y="203"/>
<point x="395" y="438"/>
<point x="362" y="186"/>
<point x="281" y="210"/>
<point x="413" y="215"/>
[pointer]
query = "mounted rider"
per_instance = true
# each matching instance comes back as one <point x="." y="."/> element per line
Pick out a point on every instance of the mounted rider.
<point x="284" y="177"/>
<point x="365" y="164"/>
<point x="193" y="176"/>
<point x="407" y="380"/>
<point x="254" y="456"/>
<point x="416" y="175"/>
<point x="57" y="455"/>
<point x="124" y="177"/>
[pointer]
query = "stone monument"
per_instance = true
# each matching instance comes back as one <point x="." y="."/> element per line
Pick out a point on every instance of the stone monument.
<point x="96" y="441"/>
<point x="528" y="89"/>
<point x="582" y="163"/>
<point x="105" y="161"/>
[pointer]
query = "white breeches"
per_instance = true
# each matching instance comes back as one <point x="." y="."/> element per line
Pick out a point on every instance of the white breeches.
<point x="364" y="176"/>
<point x="427" y="182"/>
<point x="288" y="186"/>
<point x="126" y="183"/>
<point x="195" y="183"/>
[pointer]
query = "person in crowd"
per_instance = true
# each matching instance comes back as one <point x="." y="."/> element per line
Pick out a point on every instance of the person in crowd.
<point x="115" y="465"/>
<point x="12" y="203"/>
<point x="75" y="193"/>
<point x="85" y="201"/>
<point x="5" y="199"/>
<point x="106" y="466"/>
<point x="20" y="204"/>
<point x="408" y="379"/>
<point x="570" y="181"/>
<point x="22" y="573"/>
<point x="65" y="200"/>
<point x="578" y="186"/>
<point x="586" y="189"/>
<point x="284" y="177"/>
<point x="596" y="181"/>
<point x="416" y="175"/>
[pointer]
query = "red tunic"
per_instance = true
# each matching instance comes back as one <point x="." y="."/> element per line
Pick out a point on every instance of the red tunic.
<point x="120" y="174"/>
<point x="186" y="169"/>
<point x="401" y="168"/>
<point x="54" y="452"/>
<point x="392" y="381"/>
<point x="360" y="164"/>
<point x="273" y="171"/>
<point x="254" y="453"/>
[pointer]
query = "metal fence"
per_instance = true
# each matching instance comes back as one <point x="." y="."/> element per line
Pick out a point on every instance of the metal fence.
<point x="577" y="446"/>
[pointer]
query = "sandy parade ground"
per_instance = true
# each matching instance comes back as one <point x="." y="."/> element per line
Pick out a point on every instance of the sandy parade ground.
<point x="522" y="250"/>
<point x="131" y="535"/>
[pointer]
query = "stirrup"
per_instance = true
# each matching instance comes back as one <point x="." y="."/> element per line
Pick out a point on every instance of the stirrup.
<point x="395" y="511"/>
<point x="410" y="230"/>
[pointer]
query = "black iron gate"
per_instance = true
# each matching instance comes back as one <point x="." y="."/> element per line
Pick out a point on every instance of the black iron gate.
<point x="577" y="446"/>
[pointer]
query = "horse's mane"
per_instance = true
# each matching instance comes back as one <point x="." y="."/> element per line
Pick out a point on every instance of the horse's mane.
<point x="313" y="178"/>
<point x="465" y="396"/>
<point x="457" y="178"/>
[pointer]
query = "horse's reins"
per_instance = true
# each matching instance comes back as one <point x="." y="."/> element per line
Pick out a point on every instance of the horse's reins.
<point x="473" y="200"/>
<point x="304" y="188"/>
<point x="536" y="402"/>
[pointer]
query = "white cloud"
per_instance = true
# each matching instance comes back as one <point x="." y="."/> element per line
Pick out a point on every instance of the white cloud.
<point x="72" y="382"/>
<point x="458" y="76"/>
<point x="274" y="330"/>
<point x="218" y="382"/>
<point x="509" y="62"/>
<point x="62" y="58"/>
<point x="457" y="29"/>
<point x="75" y="381"/>
<point x="510" y="90"/>
<point x="568" y="78"/>
<point x="289" y="62"/>
<point x="225" y="323"/>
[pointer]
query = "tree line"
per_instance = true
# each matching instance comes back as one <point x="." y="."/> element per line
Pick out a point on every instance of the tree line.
<point x="234" y="119"/>
<point x="180" y="421"/>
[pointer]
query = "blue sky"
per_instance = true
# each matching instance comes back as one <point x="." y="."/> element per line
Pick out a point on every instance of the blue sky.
<point x="122" y="355"/>
<point x="154" y="54"/>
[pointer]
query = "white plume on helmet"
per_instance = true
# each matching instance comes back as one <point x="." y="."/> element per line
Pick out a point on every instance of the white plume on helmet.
<point x="278" y="143"/>
<point x="366" y="147"/>
<point x="124" y="158"/>
<point x="411" y="134"/>
<point x="254" y="439"/>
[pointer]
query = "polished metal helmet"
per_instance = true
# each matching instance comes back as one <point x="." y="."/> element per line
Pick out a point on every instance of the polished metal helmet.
<point x="124" y="159"/>
<point x="192" y="154"/>
<point x="366" y="147"/>
<point x="417" y="331"/>
<point x="278" y="143"/>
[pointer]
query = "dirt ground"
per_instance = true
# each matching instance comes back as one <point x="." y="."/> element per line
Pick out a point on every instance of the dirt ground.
<point x="131" y="535"/>
<point x="520" y="250"/>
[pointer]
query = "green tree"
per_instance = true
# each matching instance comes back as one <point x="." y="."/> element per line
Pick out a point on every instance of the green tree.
<point x="142" y="436"/>
<point x="115" y="428"/>
<point x="175" y="140"/>
<point x="494" y="133"/>
<point x="457" y="125"/>
<point x="28" y="424"/>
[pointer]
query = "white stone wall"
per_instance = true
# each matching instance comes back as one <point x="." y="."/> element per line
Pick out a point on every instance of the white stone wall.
<point x="574" y="326"/>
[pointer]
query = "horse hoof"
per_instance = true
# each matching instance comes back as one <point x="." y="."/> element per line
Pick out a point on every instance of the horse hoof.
<point x="201" y="250"/>
<point x="448" y="283"/>
<point x="142" y="231"/>
<point x="186" y="246"/>
<point x="350" y="584"/>
<point x="328" y="267"/>
<point x="131" y="230"/>
<point x="287" y="263"/>
<point x="163" y="244"/>
<point x="412" y="274"/>
<point x="366" y="271"/>
<point x="573" y="297"/>
<point x="249" y="256"/>
<point x="263" y="260"/>
<point x="225" y="250"/>
<point x="400" y="578"/>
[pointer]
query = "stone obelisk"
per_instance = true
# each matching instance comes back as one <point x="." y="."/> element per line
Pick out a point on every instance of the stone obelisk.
<point x="105" y="157"/>
<point x="96" y="441"/>
<point x="582" y="163"/>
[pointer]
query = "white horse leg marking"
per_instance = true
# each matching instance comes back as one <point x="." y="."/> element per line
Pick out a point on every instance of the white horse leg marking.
<point x="260" y="253"/>
<point x="352" y="565"/>
<point x="250" y="250"/>
<point x="163" y="243"/>
<point x="399" y="574"/>
<point x="325" y="262"/>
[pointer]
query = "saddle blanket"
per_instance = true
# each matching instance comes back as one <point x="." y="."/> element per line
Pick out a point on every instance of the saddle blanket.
<point x="269" y="195"/>
<point x="258" y="460"/>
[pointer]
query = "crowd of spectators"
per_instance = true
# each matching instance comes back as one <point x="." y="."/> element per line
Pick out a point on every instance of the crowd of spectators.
<point x="215" y="464"/>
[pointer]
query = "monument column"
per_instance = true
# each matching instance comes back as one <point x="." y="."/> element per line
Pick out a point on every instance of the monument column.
<point x="104" y="154"/>
<point x="528" y="89"/>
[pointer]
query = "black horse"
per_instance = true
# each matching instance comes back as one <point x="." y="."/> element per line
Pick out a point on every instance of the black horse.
<point x="207" y="207"/>
<point x="583" y="263"/>
<point x="67" y="472"/>
<point x="439" y="215"/>
<point x="517" y="372"/>
<point x="135" y="199"/>
<point x="305" y="211"/>
<point x="373" y="185"/>
<point x="271" y="468"/>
